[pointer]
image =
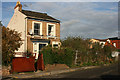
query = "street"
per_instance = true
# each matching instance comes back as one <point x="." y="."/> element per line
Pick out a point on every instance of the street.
<point x="101" y="73"/>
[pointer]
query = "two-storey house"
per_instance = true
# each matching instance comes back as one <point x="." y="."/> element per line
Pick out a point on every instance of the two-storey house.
<point x="37" y="29"/>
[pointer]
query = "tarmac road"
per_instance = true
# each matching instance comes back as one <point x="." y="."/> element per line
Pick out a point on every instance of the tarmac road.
<point x="104" y="72"/>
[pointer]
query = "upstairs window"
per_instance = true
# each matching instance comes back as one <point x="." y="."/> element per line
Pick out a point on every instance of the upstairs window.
<point x="36" y="29"/>
<point x="51" y="30"/>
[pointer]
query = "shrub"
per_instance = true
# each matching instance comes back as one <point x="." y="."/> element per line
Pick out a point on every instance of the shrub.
<point x="28" y="53"/>
<point x="58" y="56"/>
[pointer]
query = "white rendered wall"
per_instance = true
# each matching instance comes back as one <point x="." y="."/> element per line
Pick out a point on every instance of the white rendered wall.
<point x="17" y="22"/>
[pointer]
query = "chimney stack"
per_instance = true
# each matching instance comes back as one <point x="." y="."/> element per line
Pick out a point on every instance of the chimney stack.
<point x="18" y="6"/>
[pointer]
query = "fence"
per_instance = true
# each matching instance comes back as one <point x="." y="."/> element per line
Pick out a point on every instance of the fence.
<point x="22" y="64"/>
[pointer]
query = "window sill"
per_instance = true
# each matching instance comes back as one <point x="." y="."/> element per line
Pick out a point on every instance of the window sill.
<point x="51" y="36"/>
<point x="36" y="35"/>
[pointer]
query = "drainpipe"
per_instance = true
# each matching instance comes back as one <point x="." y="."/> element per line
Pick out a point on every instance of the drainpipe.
<point x="25" y="46"/>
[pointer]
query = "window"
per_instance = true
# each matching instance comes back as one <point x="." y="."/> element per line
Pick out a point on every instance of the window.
<point x="114" y="44"/>
<point x="35" y="47"/>
<point x="36" y="29"/>
<point x="51" y="29"/>
<point x="55" y="45"/>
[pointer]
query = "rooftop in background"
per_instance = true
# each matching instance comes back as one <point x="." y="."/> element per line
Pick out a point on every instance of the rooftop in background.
<point x="114" y="38"/>
<point x="101" y="40"/>
<point x="38" y="15"/>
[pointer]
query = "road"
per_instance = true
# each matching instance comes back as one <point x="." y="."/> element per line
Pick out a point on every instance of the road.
<point x="101" y="73"/>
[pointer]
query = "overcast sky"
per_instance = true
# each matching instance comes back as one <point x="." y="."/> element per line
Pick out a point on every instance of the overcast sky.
<point x="86" y="19"/>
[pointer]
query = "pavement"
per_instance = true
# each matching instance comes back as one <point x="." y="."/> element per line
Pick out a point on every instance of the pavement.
<point x="45" y="73"/>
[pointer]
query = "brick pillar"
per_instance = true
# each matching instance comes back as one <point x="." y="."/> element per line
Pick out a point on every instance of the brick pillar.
<point x="40" y="63"/>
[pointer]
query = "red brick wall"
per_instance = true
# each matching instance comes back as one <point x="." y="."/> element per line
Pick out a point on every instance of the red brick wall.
<point x="117" y="43"/>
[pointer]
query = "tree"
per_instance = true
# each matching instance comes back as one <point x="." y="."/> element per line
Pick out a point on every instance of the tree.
<point x="11" y="41"/>
<point x="97" y="48"/>
<point x="76" y="43"/>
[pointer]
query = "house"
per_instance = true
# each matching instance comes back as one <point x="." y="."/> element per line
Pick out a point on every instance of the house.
<point x="114" y="42"/>
<point x="37" y="30"/>
<point x="100" y="41"/>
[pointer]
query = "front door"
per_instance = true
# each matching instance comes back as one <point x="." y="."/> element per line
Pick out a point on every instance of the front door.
<point x="41" y="46"/>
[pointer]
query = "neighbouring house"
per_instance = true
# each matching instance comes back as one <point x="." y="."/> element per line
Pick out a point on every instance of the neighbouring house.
<point x="37" y="29"/>
<point x="114" y="41"/>
<point x="100" y="41"/>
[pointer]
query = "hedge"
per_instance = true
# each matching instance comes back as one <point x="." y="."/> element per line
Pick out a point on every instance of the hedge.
<point x="58" y="56"/>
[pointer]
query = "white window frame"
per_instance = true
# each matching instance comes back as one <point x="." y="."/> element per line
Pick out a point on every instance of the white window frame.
<point x="40" y="27"/>
<point x="55" y="42"/>
<point x="54" y="27"/>
<point x="114" y="44"/>
<point x="108" y="40"/>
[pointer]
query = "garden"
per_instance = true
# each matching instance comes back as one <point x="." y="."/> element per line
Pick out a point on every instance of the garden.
<point x="86" y="56"/>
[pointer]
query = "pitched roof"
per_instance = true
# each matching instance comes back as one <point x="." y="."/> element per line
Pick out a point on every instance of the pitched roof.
<point x="114" y="38"/>
<point x="39" y="15"/>
<point x="104" y="40"/>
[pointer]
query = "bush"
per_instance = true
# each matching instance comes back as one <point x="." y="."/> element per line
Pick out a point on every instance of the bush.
<point x="11" y="41"/>
<point x="58" y="56"/>
<point x="97" y="55"/>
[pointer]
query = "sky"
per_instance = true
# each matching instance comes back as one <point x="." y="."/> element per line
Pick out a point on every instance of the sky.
<point x="85" y="19"/>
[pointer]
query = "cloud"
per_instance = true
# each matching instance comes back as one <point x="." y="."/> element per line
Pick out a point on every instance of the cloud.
<point x="84" y="21"/>
<point x="94" y="20"/>
<point x="87" y="19"/>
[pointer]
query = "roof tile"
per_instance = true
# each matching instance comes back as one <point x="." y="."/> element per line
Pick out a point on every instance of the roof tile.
<point x="43" y="16"/>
